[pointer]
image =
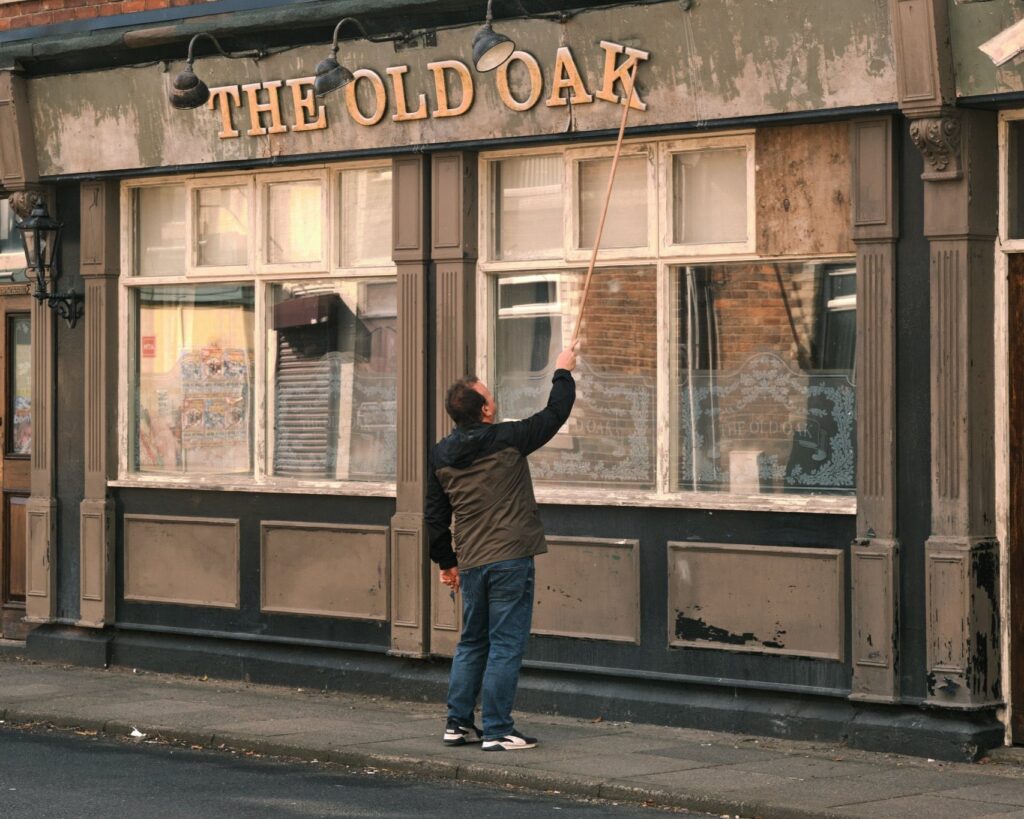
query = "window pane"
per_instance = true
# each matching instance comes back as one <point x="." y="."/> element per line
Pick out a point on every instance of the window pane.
<point x="19" y="381"/>
<point x="609" y="439"/>
<point x="192" y="380"/>
<point x="295" y="216"/>
<point x="366" y="217"/>
<point x="764" y="393"/>
<point x="334" y="362"/>
<point x="1015" y="180"/>
<point x="527" y="207"/>
<point x="710" y="196"/>
<point x="626" y="223"/>
<point x="160" y="231"/>
<point x="222" y="226"/>
<point x="10" y="237"/>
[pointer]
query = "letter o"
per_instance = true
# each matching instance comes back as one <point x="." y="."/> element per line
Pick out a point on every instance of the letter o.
<point x="378" y="89"/>
<point x="536" y="81"/>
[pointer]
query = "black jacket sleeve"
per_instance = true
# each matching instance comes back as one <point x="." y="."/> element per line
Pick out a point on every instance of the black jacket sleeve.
<point x="439" y="519"/>
<point x="532" y="433"/>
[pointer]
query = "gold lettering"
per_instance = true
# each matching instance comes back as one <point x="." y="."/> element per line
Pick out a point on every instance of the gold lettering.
<point x="271" y="106"/>
<point x="305" y="106"/>
<point x="443" y="109"/>
<point x="381" y="95"/>
<point x="566" y="75"/>
<point x="402" y="113"/>
<point x="536" y="82"/>
<point x="219" y="96"/>
<point x="613" y="74"/>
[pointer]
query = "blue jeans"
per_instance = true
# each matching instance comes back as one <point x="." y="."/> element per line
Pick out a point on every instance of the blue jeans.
<point x="497" y="606"/>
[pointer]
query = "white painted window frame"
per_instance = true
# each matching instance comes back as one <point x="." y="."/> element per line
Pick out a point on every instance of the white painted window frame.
<point x="263" y="183"/>
<point x="262" y="277"/>
<point x="336" y="245"/>
<point x="664" y="259"/>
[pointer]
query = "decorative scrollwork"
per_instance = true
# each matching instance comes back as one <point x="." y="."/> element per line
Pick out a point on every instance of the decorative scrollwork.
<point x="22" y="202"/>
<point x="938" y="140"/>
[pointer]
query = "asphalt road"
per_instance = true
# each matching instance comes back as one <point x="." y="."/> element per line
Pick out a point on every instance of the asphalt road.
<point x="63" y="775"/>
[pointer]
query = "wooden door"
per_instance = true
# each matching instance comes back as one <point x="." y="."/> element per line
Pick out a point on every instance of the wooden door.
<point x="16" y="435"/>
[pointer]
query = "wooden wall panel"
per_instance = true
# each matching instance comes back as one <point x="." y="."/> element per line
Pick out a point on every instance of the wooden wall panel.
<point x="192" y="561"/>
<point x="324" y="569"/>
<point x="768" y="599"/>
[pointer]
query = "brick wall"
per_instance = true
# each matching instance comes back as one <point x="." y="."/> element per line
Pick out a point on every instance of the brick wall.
<point x="31" y="13"/>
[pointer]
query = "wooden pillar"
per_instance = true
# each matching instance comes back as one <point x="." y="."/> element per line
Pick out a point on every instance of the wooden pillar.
<point x="454" y="249"/>
<point x="875" y="552"/>
<point x="99" y="268"/>
<point x="410" y="631"/>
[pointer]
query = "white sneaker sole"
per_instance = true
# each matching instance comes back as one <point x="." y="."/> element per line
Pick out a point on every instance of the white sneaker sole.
<point x="508" y="746"/>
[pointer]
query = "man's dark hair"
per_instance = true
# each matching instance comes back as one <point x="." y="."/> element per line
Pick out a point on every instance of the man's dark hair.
<point x="463" y="403"/>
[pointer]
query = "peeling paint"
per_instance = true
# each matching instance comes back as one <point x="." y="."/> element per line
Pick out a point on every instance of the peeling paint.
<point x="696" y="630"/>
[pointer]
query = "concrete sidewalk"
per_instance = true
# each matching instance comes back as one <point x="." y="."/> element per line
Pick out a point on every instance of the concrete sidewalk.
<point x="700" y="770"/>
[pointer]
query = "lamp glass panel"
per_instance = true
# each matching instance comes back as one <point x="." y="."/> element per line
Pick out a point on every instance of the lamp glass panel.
<point x="294" y="222"/>
<point x="30" y="240"/>
<point x="366" y="217"/>
<point x="222" y="226"/>
<point x="709" y="196"/>
<point x="160" y="230"/>
<point x="527" y="219"/>
<point x="332" y="379"/>
<point x="626" y="223"/>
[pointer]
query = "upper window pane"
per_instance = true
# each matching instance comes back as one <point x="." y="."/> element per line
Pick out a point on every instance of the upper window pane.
<point x="19" y="384"/>
<point x="160" y="231"/>
<point x="222" y="226"/>
<point x="527" y="207"/>
<point x="332" y="387"/>
<point x="626" y="223"/>
<point x="1015" y="180"/>
<point x="366" y="217"/>
<point x="764" y="394"/>
<point x="609" y="438"/>
<point x="295" y="215"/>
<point x="10" y="238"/>
<point x="192" y="380"/>
<point x="709" y="197"/>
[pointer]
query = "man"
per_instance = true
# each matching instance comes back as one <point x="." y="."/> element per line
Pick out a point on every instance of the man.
<point x="480" y="473"/>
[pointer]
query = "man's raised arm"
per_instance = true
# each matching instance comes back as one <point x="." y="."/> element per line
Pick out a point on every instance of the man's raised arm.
<point x="532" y="433"/>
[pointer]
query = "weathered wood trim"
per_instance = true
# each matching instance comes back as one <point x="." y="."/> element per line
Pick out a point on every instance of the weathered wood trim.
<point x="924" y="56"/>
<point x="17" y="143"/>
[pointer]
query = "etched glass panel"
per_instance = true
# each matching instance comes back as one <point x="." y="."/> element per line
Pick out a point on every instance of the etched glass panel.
<point x="160" y="230"/>
<point x="609" y="438"/>
<point x="764" y="397"/>
<point x="294" y="222"/>
<point x="332" y="391"/>
<point x="192" y="380"/>
<point x="527" y="207"/>
<point x="222" y="226"/>
<point x="366" y="217"/>
<point x="626" y="223"/>
<point x="709" y="196"/>
<point x="19" y="385"/>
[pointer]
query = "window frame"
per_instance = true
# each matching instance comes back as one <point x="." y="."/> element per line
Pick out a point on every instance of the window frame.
<point x="262" y="277"/>
<point x="263" y="183"/>
<point x="664" y="257"/>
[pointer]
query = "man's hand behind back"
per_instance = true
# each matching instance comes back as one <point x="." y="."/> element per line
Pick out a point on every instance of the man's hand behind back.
<point x="567" y="358"/>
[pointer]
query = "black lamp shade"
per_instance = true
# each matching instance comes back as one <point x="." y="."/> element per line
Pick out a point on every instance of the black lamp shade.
<point x="490" y="49"/>
<point x="188" y="91"/>
<point x="330" y="76"/>
<point x="40" y="235"/>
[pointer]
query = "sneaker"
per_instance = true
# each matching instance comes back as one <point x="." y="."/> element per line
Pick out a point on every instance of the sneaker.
<point x="455" y="733"/>
<point x="512" y="741"/>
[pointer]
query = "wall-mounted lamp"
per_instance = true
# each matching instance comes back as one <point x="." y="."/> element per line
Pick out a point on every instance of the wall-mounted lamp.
<point x="40" y="235"/>
<point x="490" y="49"/>
<point x="188" y="91"/>
<point x="330" y="75"/>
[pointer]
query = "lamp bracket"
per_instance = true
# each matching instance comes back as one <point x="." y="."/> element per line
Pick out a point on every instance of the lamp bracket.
<point x="69" y="306"/>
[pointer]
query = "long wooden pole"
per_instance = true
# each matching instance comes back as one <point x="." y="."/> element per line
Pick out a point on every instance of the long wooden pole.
<point x="607" y="201"/>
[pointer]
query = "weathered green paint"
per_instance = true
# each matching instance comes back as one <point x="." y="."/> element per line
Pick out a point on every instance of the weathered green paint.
<point x="970" y="26"/>
<point x="721" y="60"/>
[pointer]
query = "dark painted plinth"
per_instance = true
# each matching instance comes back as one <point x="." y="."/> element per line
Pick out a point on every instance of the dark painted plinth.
<point x="67" y="644"/>
<point x="906" y="729"/>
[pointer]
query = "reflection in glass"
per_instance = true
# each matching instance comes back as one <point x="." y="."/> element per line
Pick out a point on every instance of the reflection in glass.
<point x="294" y="222"/>
<point x="609" y="439"/>
<point x="192" y="380"/>
<point x="332" y="346"/>
<point x="366" y="217"/>
<point x="19" y="390"/>
<point x="160" y="230"/>
<point x="222" y="225"/>
<point x="1015" y="180"/>
<point x="528" y="207"/>
<point x="764" y="394"/>
<point x="710" y="196"/>
<point x="626" y="223"/>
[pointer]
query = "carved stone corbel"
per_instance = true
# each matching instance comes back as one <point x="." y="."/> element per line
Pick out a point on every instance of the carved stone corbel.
<point x="23" y="201"/>
<point x="938" y="140"/>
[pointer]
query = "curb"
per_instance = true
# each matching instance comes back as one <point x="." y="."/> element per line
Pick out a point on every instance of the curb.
<point x="477" y="773"/>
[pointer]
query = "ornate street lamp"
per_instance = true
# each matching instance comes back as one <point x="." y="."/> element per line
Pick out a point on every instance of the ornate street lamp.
<point x="40" y="236"/>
